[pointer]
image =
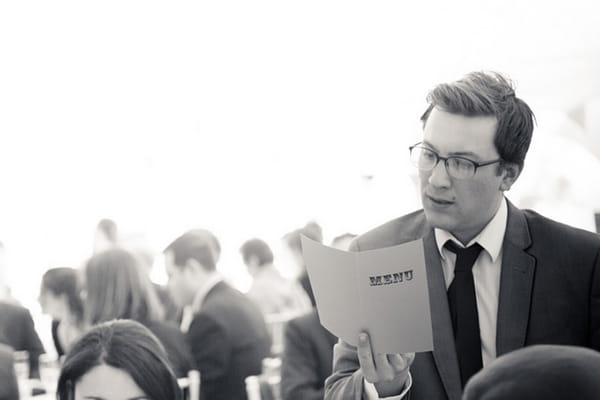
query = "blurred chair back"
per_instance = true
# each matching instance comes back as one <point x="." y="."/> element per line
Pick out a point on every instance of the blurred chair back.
<point x="190" y="385"/>
<point x="265" y="386"/>
<point x="275" y="325"/>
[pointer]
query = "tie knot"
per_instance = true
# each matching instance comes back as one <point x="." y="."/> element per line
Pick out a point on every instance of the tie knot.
<point x="465" y="256"/>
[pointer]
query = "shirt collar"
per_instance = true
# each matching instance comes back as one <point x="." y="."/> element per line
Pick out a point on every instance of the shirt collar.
<point x="208" y="285"/>
<point x="490" y="238"/>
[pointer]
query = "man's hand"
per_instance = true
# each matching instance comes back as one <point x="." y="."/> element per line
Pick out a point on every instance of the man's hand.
<point x="388" y="372"/>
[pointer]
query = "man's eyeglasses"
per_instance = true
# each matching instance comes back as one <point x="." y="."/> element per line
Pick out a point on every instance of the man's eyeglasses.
<point x="457" y="167"/>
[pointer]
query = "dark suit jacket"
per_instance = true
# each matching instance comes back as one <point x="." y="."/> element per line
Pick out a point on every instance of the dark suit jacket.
<point x="9" y="388"/>
<point x="175" y="344"/>
<point x="307" y="358"/>
<point x="55" y="339"/>
<point x="229" y="339"/>
<point x="549" y="294"/>
<point x="305" y="283"/>
<point x="17" y="331"/>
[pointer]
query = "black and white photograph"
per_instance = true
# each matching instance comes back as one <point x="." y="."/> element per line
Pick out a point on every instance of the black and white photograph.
<point x="163" y="166"/>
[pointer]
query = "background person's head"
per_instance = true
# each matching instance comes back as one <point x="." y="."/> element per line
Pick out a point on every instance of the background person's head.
<point x="116" y="286"/>
<point x="60" y="294"/>
<point x="311" y="230"/>
<point x="477" y="118"/>
<point x="5" y="292"/>
<point x="544" y="372"/>
<point x="256" y="254"/>
<point x="106" y="235"/>
<point x="117" y="359"/>
<point x="343" y="241"/>
<point x="189" y="261"/>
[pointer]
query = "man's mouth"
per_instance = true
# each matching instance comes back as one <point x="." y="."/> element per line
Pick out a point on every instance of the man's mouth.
<point x="439" y="201"/>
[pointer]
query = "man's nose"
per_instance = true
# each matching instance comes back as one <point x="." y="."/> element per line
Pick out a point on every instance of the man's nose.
<point x="439" y="175"/>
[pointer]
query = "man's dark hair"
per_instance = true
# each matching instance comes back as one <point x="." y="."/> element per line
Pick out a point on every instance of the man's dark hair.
<point x="65" y="281"/>
<point x="258" y="248"/>
<point x="109" y="228"/>
<point x="492" y="95"/>
<point x="311" y="230"/>
<point x="345" y="237"/>
<point x="198" y="244"/>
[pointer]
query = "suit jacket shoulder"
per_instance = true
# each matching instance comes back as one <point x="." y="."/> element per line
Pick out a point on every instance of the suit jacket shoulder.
<point x="400" y="230"/>
<point x="546" y="230"/>
<point x="235" y="313"/>
<point x="17" y="329"/>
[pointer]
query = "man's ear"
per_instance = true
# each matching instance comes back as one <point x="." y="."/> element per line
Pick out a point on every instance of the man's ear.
<point x="510" y="173"/>
<point x="252" y="261"/>
<point x="193" y="266"/>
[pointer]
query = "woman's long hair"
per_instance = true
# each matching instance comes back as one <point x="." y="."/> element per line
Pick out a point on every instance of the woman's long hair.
<point x="118" y="288"/>
<point x="128" y="346"/>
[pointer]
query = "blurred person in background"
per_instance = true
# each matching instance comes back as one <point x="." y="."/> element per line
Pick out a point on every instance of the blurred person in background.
<point x="9" y="386"/>
<point x="5" y="292"/>
<point x="18" y="331"/>
<point x="343" y="241"/>
<point x="307" y="358"/>
<point x="117" y="360"/>
<point x="541" y="372"/>
<point x="116" y="287"/>
<point x="313" y="231"/>
<point x="308" y="350"/>
<point x="136" y="243"/>
<point x="273" y="293"/>
<point x="106" y="235"/>
<point x="60" y="297"/>
<point x="226" y="331"/>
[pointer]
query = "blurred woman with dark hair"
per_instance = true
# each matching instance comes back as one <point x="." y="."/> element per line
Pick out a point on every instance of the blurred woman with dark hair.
<point x="117" y="360"/>
<point x="60" y="297"/>
<point x="117" y="288"/>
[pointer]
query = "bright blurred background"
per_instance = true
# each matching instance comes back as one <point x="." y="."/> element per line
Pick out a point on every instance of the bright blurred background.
<point x="250" y="118"/>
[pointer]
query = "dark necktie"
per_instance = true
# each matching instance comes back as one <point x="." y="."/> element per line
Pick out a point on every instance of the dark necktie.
<point x="463" y="309"/>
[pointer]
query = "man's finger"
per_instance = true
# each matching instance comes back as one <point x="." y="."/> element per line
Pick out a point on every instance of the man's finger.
<point x="365" y="358"/>
<point x="401" y="362"/>
<point x="385" y="370"/>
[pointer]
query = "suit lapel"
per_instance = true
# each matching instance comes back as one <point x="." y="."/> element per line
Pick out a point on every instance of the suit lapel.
<point x="516" y="283"/>
<point x="444" y="352"/>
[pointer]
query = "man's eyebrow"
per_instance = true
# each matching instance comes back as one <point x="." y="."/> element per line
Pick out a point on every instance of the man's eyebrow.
<point x="470" y="154"/>
<point x="102" y="398"/>
<point x="456" y="153"/>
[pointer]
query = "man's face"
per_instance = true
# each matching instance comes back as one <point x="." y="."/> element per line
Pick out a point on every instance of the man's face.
<point x="180" y="281"/>
<point x="462" y="207"/>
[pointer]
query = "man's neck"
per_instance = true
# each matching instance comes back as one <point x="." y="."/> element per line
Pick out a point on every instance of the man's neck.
<point x="466" y="237"/>
<point x="208" y="281"/>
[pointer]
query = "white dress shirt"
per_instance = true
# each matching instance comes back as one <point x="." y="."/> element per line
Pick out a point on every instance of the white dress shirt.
<point x="486" y="276"/>
<point x="188" y="311"/>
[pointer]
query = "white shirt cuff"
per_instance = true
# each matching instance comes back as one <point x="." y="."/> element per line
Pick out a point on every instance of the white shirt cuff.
<point x="372" y="394"/>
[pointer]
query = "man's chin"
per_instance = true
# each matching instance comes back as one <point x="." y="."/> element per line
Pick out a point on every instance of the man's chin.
<point x="439" y="219"/>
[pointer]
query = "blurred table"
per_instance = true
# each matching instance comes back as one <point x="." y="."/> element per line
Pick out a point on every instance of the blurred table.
<point x="27" y="387"/>
<point x="45" y="386"/>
